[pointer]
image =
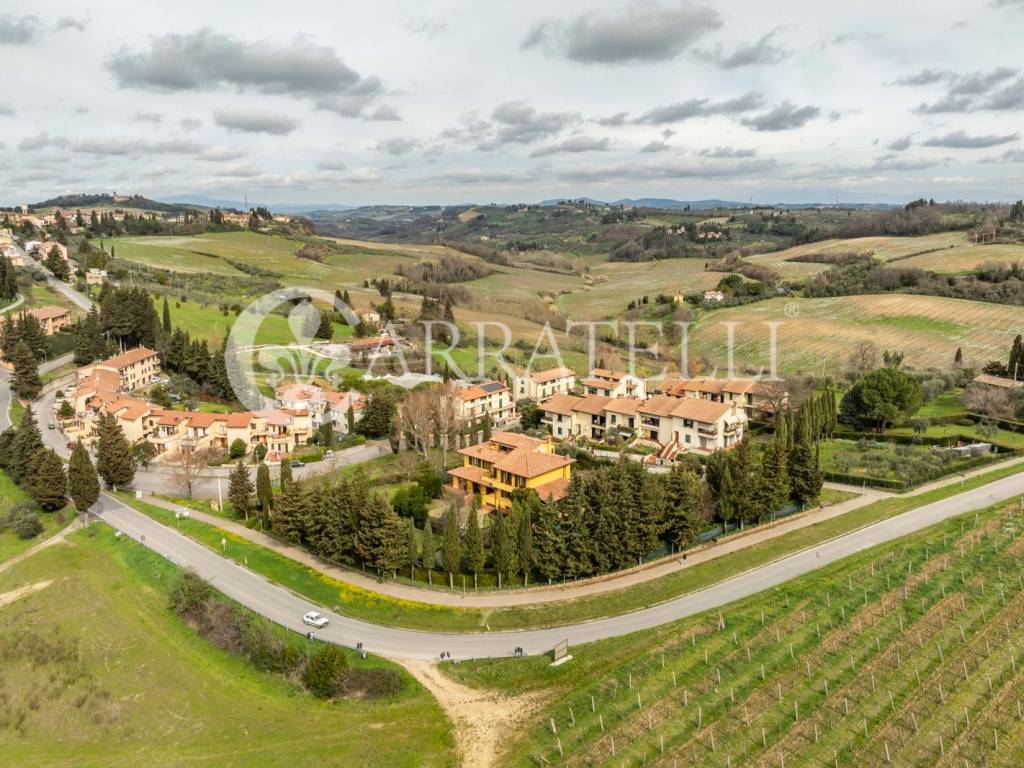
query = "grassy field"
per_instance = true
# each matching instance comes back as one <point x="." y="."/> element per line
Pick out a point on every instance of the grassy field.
<point x="817" y="334"/>
<point x="886" y="461"/>
<point x="10" y="544"/>
<point x="42" y="295"/>
<point x="369" y="606"/>
<point x="99" y="671"/>
<point x="210" y="323"/>
<point x="882" y="248"/>
<point x="966" y="257"/>
<point x="905" y="653"/>
<point x="946" y="404"/>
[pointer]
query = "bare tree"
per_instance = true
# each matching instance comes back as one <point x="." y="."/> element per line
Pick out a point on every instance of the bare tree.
<point x="447" y="416"/>
<point x="415" y="418"/>
<point x="188" y="462"/>
<point x="864" y="357"/>
<point x="990" y="401"/>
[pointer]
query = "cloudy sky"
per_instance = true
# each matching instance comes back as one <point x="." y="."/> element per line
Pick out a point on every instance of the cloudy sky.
<point x="450" y="101"/>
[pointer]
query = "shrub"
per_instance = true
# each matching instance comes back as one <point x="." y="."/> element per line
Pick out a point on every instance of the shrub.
<point x="25" y="523"/>
<point x="237" y="449"/>
<point x="372" y="683"/>
<point x="189" y="593"/>
<point x="323" y="673"/>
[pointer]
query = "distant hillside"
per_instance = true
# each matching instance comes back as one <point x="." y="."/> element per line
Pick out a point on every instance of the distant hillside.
<point x="94" y="200"/>
<point x="239" y="205"/>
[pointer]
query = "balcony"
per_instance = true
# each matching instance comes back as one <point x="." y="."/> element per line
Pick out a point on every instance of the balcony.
<point x="708" y="429"/>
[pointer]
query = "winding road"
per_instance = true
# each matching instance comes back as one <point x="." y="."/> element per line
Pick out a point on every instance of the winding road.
<point x="286" y="608"/>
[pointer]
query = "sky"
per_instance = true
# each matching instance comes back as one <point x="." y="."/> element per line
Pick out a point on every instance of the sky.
<point x="453" y="102"/>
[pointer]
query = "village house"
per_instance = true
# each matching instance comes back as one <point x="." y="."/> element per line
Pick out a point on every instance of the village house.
<point x="134" y="368"/>
<point x="370" y="318"/>
<point x="544" y="384"/>
<point x="614" y="384"/>
<point x="95" y="276"/>
<point x="714" y="296"/>
<point x="322" y="405"/>
<point x="690" y="424"/>
<point x="755" y="397"/>
<point x="51" y="318"/>
<point x="508" y="462"/>
<point x="488" y="397"/>
<point x="45" y="249"/>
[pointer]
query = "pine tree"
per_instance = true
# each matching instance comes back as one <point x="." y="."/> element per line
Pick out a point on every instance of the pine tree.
<point x="286" y="475"/>
<point x="772" y="489"/>
<point x="240" y="490"/>
<point x="428" y="555"/>
<point x="387" y="536"/>
<point x="25" y="382"/>
<point x="412" y="550"/>
<point x="726" y="500"/>
<point x="46" y="481"/>
<point x="451" y="546"/>
<point x="89" y="342"/>
<point x="264" y="491"/>
<point x="289" y="513"/>
<point x="114" y="460"/>
<point x="578" y="539"/>
<point x="524" y="540"/>
<point x="474" y="543"/>
<point x="25" y="447"/>
<point x="83" y="482"/>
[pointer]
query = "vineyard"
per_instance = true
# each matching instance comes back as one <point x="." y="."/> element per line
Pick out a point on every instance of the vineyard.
<point x="909" y="654"/>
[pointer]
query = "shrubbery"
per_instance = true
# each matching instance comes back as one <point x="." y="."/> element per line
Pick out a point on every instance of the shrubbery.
<point x="23" y="521"/>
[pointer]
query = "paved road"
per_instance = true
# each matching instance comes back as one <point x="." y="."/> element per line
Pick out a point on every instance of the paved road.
<point x="286" y="608"/>
<point x="76" y="298"/>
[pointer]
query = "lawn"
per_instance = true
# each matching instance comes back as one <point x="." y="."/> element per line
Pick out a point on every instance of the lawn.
<point x="866" y="662"/>
<point x="16" y="412"/>
<point x="878" y="460"/>
<point x="946" y="404"/>
<point x="99" y="671"/>
<point x="10" y="544"/>
<point x="370" y="606"/>
<point x="1001" y="437"/>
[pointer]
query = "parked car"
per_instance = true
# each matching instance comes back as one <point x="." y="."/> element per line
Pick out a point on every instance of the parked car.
<point x="328" y="453"/>
<point x="315" y="619"/>
<point x="70" y="446"/>
<point x="51" y="425"/>
<point x="296" y="464"/>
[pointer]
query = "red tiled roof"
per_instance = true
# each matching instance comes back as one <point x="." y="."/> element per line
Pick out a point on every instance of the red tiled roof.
<point x="542" y="377"/>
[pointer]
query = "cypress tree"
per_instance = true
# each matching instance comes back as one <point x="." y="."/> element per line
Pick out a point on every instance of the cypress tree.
<point x="525" y="538"/>
<point x="474" y="543"/>
<point x="577" y="536"/>
<point x="168" y="328"/>
<point x="429" y="563"/>
<point x="114" y="460"/>
<point x="684" y="503"/>
<point x="47" y="482"/>
<point x="804" y="472"/>
<point x="286" y="475"/>
<point x="25" y="383"/>
<point x="288" y="513"/>
<point x="546" y="540"/>
<point x="726" y="501"/>
<point x="240" y="489"/>
<point x="83" y="482"/>
<point x="264" y="491"/>
<point x="500" y="550"/>
<point x="26" y="445"/>
<point x="315" y="523"/>
<point x="412" y="550"/>
<point x="772" y="490"/>
<point x="451" y="546"/>
<point x="350" y="420"/>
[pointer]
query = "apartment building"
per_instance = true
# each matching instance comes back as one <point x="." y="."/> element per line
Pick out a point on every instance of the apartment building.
<point x="508" y="462"/>
<point x="45" y="249"/>
<point x="94" y="276"/>
<point x="544" y="384"/>
<point x="323" y="405"/>
<point x="754" y="397"/>
<point x="51" y="318"/>
<point x="134" y="368"/>
<point x="488" y="397"/>
<point x="690" y="424"/>
<point x="602" y="381"/>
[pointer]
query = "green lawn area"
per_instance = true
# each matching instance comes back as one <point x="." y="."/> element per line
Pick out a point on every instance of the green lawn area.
<point x="210" y="323"/>
<point x="122" y="681"/>
<point x="17" y="411"/>
<point x="41" y="294"/>
<point x="10" y="544"/>
<point x="834" y="666"/>
<point x="1002" y="437"/>
<point x="879" y="460"/>
<point x="946" y="404"/>
<point x="370" y="606"/>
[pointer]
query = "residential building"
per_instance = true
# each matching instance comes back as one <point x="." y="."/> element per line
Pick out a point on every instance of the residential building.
<point x="322" y="405"/>
<point x="1000" y="382"/>
<point x="46" y="248"/>
<point x="372" y="346"/>
<point x="134" y="368"/>
<point x="755" y="397"/>
<point x="690" y="424"/>
<point x="559" y="415"/>
<point x="508" y="462"/>
<point x="714" y="296"/>
<point x="489" y="397"/>
<point x="370" y="318"/>
<point x="543" y="384"/>
<point x="614" y="384"/>
<point x="95" y="276"/>
<point x="51" y="318"/>
<point x="592" y="417"/>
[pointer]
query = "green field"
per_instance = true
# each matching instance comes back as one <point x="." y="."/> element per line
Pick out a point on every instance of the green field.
<point x="10" y="544"/>
<point x="945" y="404"/>
<point x="99" y="671"/>
<point x="864" y="663"/>
<point x="209" y="322"/>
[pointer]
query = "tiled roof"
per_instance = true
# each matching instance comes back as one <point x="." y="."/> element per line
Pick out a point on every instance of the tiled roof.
<point x="553" y="490"/>
<point x="592" y="404"/>
<point x="128" y="408"/>
<point x="48" y="312"/>
<point x="552" y="374"/>
<point x="699" y="409"/>
<point x="659" y="405"/>
<point x="128" y="358"/>
<point x="605" y="373"/>
<point x="626" y="405"/>
<point x="239" y="419"/>
<point x="562" y="404"/>
<point x="998" y="381"/>
<point x="525" y="462"/>
<point x="516" y="440"/>
<point x="473" y="474"/>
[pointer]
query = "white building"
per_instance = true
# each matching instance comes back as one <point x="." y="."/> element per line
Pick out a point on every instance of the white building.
<point x="543" y="384"/>
<point x="614" y="384"/>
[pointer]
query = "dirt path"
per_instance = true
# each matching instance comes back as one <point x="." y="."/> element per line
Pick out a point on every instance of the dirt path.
<point x="6" y="598"/>
<point x="55" y="539"/>
<point x="481" y="718"/>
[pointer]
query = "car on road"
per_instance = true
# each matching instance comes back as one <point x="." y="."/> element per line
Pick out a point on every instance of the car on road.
<point x="315" y="619"/>
<point x="296" y="464"/>
<point x="70" y="446"/>
<point x="328" y="454"/>
<point x="51" y="425"/>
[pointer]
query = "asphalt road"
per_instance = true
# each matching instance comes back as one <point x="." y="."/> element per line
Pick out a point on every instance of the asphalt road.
<point x="286" y="608"/>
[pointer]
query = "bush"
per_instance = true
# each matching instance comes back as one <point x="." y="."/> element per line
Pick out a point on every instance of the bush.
<point x="323" y="673"/>
<point x="237" y="449"/>
<point x="24" y="523"/>
<point x="189" y="593"/>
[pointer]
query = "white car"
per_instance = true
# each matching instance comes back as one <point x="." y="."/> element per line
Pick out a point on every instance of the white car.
<point x="315" y="619"/>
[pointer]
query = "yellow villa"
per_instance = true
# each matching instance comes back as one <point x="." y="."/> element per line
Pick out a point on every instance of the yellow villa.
<point x="509" y="462"/>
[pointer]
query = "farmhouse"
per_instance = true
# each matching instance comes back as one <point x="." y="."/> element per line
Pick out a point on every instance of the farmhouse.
<point x="508" y="462"/>
<point x="999" y="382"/>
<point x="95" y="276"/>
<point x="544" y="384"/>
<point x="614" y="384"/>
<point x="51" y="318"/>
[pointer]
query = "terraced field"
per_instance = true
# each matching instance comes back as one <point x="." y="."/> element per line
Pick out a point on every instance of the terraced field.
<point x="907" y="654"/>
<point x="817" y="334"/>
<point x="966" y="257"/>
<point x="882" y="248"/>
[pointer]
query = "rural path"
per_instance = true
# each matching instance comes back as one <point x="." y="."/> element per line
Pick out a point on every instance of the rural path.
<point x="583" y="588"/>
<point x="55" y="539"/>
<point x="6" y="598"/>
<point x="287" y="608"/>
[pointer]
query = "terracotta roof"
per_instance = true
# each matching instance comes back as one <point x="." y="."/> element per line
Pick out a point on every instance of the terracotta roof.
<point x="562" y="404"/>
<point x="659" y="405"/>
<point x="599" y="383"/>
<point x="128" y="408"/>
<point x="626" y="405"/>
<point x="592" y="404"/>
<point x="553" y="490"/>
<point x="516" y="440"/>
<point x="699" y="409"/>
<point x="128" y="358"/>
<point x="239" y="419"/>
<point x="371" y="343"/>
<point x="997" y="381"/>
<point x="171" y="418"/>
<point x="482" y="451"/>
<point x="473" y="474"/>
<point x="605" y="373"/>
<point x="471" y="393"/>
<point x="204" y="420"/>
<point x="100" y="379"/>
<point x="525" y="462"/>
<point x="48" y="312"/>
<point x="542" y="377"/>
